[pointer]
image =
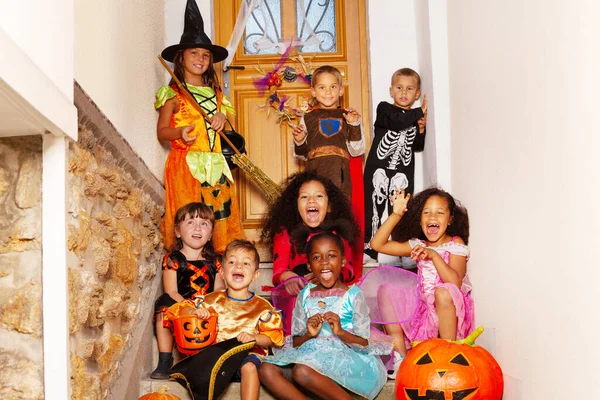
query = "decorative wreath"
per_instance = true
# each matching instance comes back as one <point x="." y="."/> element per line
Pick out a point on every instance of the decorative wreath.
<point x="272" y="80"/>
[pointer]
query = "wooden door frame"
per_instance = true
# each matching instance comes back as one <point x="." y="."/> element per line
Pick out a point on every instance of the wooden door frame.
<point x="221" y="37"/>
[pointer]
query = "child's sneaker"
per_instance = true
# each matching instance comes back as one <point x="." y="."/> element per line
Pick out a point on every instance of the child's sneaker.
<point x="394" y="370"/>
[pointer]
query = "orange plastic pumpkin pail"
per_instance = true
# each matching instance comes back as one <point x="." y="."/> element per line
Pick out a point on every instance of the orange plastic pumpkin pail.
<point x="193" y="334"/>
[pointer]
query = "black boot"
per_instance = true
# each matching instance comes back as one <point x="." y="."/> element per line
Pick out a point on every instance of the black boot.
<point x="165" y="361"/>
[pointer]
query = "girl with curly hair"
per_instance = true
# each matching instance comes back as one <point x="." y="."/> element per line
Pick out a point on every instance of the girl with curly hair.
<point x="308" y="200"/>
<point x="433" y="230"/>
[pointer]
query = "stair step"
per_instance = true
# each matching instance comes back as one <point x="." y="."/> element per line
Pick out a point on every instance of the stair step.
<point x="233" y="390"/>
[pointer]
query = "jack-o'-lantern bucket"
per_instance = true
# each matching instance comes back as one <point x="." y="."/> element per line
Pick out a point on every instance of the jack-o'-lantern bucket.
<point x="193" y="334"/>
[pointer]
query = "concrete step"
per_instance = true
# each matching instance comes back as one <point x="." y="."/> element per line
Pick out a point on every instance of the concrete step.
<point x="233" y="390"/>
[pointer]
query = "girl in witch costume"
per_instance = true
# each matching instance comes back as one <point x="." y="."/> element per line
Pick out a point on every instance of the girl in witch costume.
<point x="196" y="169"/>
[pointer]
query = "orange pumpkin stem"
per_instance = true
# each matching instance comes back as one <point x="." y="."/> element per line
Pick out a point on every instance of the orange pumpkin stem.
<point x="470" y="340"/>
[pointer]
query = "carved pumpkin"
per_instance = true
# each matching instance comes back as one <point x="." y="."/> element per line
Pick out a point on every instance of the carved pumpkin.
<point x="192" y="334"/>
<point x="438" y="369"/>
<point x="159" y="395"/>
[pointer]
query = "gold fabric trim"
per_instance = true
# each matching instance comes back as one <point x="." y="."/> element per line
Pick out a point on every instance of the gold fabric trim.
<point x="323" y="151"/>
<point x="221" y="360"/>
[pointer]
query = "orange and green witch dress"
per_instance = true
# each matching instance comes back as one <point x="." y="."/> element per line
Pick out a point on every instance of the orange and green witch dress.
<point x="199" y="171"/>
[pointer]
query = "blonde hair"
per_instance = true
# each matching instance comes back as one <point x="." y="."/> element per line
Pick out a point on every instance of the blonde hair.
<point x="326" y="69"/>
<point x="407" y="72"/>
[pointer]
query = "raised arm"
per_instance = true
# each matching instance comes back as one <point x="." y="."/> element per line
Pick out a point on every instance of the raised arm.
<point x="380" y="242"/>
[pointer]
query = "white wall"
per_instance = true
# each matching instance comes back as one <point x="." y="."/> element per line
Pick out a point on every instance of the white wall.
<point x="116" y="45"/>
<point x="524" y="93"/>
<point x="44" y="31"/>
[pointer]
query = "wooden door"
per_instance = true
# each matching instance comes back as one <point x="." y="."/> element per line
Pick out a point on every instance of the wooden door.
<point x="340" y="26"/>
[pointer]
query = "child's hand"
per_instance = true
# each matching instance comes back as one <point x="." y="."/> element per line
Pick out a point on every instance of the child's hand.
<point x="399" y="201"/>
<point x="334" y="322"/>
<point x="217" y="121"/>
<point x="245" y="337"/>
<point x="202" y="313"/>
<point x="424" y="104"/>
<point x="186" y="134"/>
<point x="313" y="325"/>
<point x="351" y="115"/>
<point x="294" y="286"/>
<point x="299" y="133"/>
<point x="422" y="123"/>
<point x="422" y="253"/>
<point x="311" y="278"/>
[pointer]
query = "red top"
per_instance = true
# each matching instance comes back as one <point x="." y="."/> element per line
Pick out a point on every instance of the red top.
<point x="284" y="261"/>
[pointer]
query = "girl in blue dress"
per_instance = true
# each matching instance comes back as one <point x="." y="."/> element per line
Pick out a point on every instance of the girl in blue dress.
<point x="330" y="348"/>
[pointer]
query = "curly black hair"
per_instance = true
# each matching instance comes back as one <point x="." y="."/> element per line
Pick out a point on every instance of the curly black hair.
<point x="283" y="213"/>
<point x="336" y="230"/>
<point x="410" y="225"/>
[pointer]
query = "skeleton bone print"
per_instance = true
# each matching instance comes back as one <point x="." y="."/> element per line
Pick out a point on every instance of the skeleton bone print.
<point x="382" y="188"/>
<point x="398" y="145"/>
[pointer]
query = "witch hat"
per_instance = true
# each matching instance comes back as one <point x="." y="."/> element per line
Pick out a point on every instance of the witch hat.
<point x="193" y="36"/>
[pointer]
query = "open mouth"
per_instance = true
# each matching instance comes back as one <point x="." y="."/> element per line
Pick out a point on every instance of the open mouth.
<point x="433" y="228"/>
<point x="326" y="274"/>
<point x="237" y="276"/>
<point x="313" y="214"/>
<point x="197" y="236"/>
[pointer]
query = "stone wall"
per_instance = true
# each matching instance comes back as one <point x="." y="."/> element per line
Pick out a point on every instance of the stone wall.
<point x="21" y="356"/>
<point x="114" y="210"/>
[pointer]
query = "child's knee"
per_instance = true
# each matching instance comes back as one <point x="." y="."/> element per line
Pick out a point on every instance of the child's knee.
<point x="443" y="298"/>
<point x="302" y="374"/>
<point x="267" y="372"/>
<point x="249" y="369"/>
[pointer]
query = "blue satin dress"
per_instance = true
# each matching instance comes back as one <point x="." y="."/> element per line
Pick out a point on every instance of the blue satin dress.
<point x="354" y="367"/>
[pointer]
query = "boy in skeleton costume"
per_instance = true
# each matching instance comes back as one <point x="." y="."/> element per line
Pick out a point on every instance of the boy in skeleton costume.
<point x="399" y="132"/>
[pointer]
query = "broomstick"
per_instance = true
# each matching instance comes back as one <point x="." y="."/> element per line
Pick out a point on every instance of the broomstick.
<point x="270" y="189"/>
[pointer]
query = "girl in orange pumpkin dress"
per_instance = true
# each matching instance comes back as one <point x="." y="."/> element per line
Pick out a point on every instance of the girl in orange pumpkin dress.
<point x="190" y="270"/>
<point x="196" y="170"/>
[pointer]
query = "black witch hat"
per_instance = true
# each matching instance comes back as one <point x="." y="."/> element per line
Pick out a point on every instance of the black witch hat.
<point x="194" y="36"/>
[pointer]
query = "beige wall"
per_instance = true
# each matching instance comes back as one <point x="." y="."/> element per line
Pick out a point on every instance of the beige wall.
<point x="524" y="88"/>
<point x="116" y="44"/>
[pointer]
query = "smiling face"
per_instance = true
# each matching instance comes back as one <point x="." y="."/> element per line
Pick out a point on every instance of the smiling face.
<point x="240" y="269"/>
<point x="325" y="261"/>
<point x="435" y="219"/>
<point x="195" y="62"/>
<point x="405" y="91"/>
<point x="313" y="203"/>
<point x="327" y="90"/>
<point x="194" y="232"/>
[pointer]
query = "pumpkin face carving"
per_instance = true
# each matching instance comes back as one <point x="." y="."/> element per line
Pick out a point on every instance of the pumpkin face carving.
<point x="438" y="369"/>
<point x="192" y="334"/>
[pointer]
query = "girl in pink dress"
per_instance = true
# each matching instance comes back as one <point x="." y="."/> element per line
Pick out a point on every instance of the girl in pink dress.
<point x="434" y="231"/>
